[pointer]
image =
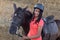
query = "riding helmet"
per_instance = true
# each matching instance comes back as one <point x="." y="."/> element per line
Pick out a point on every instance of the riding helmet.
<point x="39" y="6"/>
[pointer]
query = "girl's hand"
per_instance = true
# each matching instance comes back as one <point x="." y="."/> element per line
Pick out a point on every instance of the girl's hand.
<point x="25" y="37"/>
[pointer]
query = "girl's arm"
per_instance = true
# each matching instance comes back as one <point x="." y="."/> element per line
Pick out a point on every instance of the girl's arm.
<point x="37" y="35"/>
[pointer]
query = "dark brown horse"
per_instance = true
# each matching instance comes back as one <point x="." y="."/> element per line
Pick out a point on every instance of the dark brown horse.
<point x="22" y="17"/>
<point x="58" y="23"/>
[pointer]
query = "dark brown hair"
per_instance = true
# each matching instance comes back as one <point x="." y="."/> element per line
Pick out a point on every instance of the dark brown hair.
<point x="39" y="16"/>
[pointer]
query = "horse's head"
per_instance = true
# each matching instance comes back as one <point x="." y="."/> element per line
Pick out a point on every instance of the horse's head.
<point x="18" y="18"/>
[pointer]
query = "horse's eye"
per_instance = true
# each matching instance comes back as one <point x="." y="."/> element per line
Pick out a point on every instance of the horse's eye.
<point x="15" y="14"/>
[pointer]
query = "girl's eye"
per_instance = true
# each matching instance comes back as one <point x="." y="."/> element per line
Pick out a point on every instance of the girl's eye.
<point x="37" y="10"/>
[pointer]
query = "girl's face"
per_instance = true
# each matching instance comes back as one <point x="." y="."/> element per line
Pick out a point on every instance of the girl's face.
<point x="36" y="12"/>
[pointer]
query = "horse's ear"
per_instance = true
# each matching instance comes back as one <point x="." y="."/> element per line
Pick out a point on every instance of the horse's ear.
<point x="25" y="8"/>
<point x="15" y="7"/>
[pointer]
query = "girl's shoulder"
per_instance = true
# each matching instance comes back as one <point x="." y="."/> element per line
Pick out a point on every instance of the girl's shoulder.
<point x="41" y="22"/>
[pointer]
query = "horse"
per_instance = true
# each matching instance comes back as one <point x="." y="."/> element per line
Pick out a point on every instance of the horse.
<point x="18" y="19"/>
<point x="58" y="24"/>
<point x="22" y="17"/>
